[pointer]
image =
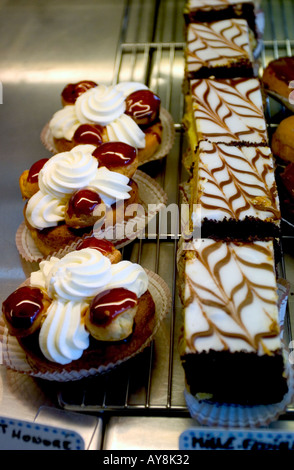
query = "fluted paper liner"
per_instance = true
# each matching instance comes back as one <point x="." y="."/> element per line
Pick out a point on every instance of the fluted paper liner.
<point x="152" y="197"/>
<point x="211" y="413"/>
<point x="15" y="358"/>
<point x="167" y="138"/>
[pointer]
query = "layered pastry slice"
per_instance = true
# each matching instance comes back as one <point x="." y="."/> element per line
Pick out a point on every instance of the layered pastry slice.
<point x="220" y="49"/>
<point x="226" y="111"/>
<point x="234" y="193"/>
<point x="216" y="10"/>
<point x="231" y="349"/>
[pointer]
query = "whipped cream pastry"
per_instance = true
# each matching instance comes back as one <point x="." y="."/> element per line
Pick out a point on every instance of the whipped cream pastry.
<point x="217" y="44"/>
<point x="103" y="105"/>
<point x="62" y="175"/>
<point x="71" y="283"/>
<point x="230" y="298"/>
<point x="228" y="111"/>
<point x="233" y="182"/>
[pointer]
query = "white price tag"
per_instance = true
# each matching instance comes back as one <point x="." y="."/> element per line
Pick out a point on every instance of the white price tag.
<point x="25" y="435"/>
<point x="237" y="439"/>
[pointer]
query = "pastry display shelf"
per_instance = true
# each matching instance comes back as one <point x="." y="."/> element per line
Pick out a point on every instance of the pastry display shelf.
<point x="152" y="384"/>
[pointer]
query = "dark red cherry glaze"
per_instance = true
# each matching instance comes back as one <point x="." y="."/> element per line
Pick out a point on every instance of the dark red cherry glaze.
<point x="110" y="303"/>
<point x="143" y="106"/>
<point x="72" y="91"/>
<point x="22" y="307"/>
<point x="83" y="202"/>
<point x="88" y="134"/>
<point x="35" y="170"/>
<point x="115" y="154"/>
<point x="102" y="245"/>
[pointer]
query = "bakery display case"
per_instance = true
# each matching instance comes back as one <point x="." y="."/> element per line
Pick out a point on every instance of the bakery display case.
<point x="140" y="404"/>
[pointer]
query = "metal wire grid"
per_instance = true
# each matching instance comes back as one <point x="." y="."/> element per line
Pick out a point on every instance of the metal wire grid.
<point x="152" y="383"/>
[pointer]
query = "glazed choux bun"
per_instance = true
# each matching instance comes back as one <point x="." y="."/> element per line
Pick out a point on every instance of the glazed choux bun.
<point x="24" y="310"/>
<point x="84" y="209"/>
<point x="28" y="181"/>
<point x="101" y="244"/>
<point x="72" y="91"/>
<point x="92" y="134"/>
<point x="143" y="106"/>
<point x="111" y="314"/>
<point x="282" y="143"/>
<point x="117" y="156"/>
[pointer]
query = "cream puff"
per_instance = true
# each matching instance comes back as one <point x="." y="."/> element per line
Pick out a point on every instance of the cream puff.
<point x="76" y="191"/>
<point x="81" y="311"/>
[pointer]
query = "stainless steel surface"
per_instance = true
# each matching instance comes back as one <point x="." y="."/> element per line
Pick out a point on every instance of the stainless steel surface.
<point x="44" y="46"/>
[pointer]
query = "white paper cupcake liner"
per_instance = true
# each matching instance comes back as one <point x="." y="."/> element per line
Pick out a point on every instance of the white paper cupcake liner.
<point x="210" y="413"/>
<point x="153" y="199"/>
<point x="167" y="139"/>
<point x="15" y="358"/>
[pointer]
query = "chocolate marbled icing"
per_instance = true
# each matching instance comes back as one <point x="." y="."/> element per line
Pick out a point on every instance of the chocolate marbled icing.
<point x="235" y="183"/>
<point x="228" y="111"/>
<point x="230" y="299"/>
<point x="218" y="45"/>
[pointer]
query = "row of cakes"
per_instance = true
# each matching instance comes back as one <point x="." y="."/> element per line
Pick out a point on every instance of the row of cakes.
<point x="231" y="347"/>
<point x="86" y="310"/>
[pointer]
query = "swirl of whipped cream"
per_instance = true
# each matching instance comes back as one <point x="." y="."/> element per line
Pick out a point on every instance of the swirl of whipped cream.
<point x="67" y="171"/>
<point x="100" y="105"/>
<point x="125" y="129"/>
<point x="129" y="275"/>
<point x="63" y="337"/>
<point x="44" y="210"/>
<point x="64" y="123"/>
<point x="78" y="275"/>
<point x="111" y="186"/>
<point x="129" y="87"/>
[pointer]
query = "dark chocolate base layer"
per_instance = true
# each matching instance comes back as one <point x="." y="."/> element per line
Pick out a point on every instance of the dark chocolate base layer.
<point x="239" y="10"/>
<point x="242" y="68"/>
<point x="249" y="229"/>
<point x="241" y="378"/>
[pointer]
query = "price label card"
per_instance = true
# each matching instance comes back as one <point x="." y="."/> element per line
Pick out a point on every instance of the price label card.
<point x="25" y="435"/>
<point x="237" y="439"/>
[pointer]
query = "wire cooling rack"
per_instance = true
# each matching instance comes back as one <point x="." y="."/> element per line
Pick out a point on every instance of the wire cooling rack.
<point x="150" y="50"/>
